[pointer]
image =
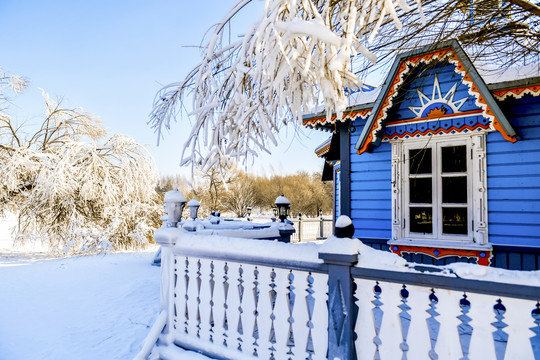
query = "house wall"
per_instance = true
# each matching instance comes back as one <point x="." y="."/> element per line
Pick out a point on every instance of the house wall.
<point x="371" y="209"/>
<point x="513" y="171"/>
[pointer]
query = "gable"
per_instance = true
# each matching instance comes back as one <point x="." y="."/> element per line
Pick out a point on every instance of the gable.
<point x="433" y="93"/>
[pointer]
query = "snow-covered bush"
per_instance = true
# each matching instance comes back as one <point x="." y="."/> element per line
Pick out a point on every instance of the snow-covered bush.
<point x="73" y="190"/>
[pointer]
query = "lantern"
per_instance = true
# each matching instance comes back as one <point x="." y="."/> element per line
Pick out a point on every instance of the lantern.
<point x="283" y="205"/>
<point x="193" y="208"/>
<point x="174" y="205"/>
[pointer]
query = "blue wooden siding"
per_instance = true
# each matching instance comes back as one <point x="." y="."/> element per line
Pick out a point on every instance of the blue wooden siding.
<point x="371" y="194"/>
<point x="513" y="172"/>
<point x="337" y="188"/>
<point x="516" y="258"/>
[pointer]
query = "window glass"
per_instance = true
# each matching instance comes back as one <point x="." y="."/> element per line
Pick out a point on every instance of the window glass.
<point x="454" y="220"/>
<point x="421" y="220"/>
<point x="420" y="190"/>
<point x="454" y="190"/>
<point x="420" y="161"/>
<point x="454" y="159"/>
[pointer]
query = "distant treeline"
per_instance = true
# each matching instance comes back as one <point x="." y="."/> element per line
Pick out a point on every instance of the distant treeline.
<point x="236" y="191"/>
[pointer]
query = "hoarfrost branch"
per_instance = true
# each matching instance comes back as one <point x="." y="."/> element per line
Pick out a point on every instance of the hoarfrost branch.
<point x="72" y="189"/>
<point x="302" y="53"/>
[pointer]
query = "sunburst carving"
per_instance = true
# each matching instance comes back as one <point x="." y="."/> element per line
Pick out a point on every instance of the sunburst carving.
<point x="437" y="104"/>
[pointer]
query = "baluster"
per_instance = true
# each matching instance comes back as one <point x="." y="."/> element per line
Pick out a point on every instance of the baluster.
<point x="405" y="320"/>
<point x="377" y="319"/>
<point x="535" y="340"/>
<point x="199" y="283"/>
<point x="174" y="289"/>
<point x="273" y="297"/>
<point x="240" y="328"/>
<point x="355" y="310"/>
<point x="290" y="302"/>
<point x="433" y="324"/>
<point x="465" y="330"/>
<point x="212" y="285"/>
<point x="500" y="338"/>
<point x="255" y="311"/>
<point x="225" y="306"/>
<point x="310" y="300"/>
<point x="186" y="297"/>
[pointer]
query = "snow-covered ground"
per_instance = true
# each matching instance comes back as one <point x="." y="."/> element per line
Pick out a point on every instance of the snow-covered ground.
<point x="85" y="307"/>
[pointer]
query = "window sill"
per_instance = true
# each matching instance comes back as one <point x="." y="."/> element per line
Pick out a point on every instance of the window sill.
<point x="443" y="244"/>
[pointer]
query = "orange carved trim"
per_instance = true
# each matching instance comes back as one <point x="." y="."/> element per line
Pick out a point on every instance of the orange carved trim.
<point x="432" y="118"/>
<point x="517" y="92"/>
<point x="483" y="257"/>
<point x="323" y="151"/>
<point x="321" y="120"/>
<point x="438" y="131"/>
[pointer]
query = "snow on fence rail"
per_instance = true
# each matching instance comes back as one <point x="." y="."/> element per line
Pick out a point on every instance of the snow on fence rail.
<point x="245" y="298"/>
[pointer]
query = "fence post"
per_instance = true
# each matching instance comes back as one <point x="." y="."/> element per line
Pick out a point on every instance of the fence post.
<point x="321" y="226"/>
<point x="167" y="237"/>
<point x="340" y="254"/>
<point x="299" y="227"/>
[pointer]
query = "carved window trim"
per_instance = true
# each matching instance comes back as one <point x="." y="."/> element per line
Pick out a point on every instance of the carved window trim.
<point x="477" y="194"/>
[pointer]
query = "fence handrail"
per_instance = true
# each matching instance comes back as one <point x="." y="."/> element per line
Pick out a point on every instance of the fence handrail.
<point x="300" y="265"/>
<point x="453" y="282"/>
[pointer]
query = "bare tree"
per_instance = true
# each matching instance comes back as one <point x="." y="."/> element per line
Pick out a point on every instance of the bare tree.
<point x="240" y="195"/>
<point x="298" y="55"/>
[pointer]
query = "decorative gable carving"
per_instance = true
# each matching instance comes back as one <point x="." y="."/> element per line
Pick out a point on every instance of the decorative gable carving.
<point x="418" y="103"/>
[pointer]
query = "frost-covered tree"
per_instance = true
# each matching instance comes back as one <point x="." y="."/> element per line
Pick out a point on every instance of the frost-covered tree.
<point x="72" y="189"/>
<point x="302" y="54"/>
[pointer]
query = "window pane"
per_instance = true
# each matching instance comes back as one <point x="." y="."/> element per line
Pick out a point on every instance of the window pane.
<point x="454" y="190"/>
<point x="454" y="159"/>
<point x="420" y="161"/>
<point x="455" y="220"/>
<point x="421" y="220"/>
<point x="420" y="190"/>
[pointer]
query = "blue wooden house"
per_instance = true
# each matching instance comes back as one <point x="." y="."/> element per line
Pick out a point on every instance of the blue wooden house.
<point x="443" y="165"/>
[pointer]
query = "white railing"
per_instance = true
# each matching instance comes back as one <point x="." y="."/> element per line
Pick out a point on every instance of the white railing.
<point x="310" y="229"/>
<point x="245" y="304"/>
<point x="244" y="298"/>
<point x="420" y="322"/>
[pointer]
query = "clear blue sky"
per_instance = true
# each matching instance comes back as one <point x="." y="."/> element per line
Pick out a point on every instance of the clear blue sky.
<point x="111" y="58"/>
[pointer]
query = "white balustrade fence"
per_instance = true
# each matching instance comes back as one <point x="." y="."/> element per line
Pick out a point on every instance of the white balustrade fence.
<point x="244" y="298"/>
<point x="419" y="322"/>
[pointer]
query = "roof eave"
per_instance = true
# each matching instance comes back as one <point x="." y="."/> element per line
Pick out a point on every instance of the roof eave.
<point x="505" y="85"/>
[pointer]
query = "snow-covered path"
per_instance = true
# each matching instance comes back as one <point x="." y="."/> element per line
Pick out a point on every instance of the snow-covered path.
<point x="87" y="307"/>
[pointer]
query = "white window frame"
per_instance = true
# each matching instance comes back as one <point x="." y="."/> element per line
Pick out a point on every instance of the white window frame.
<point x="476" y="192"/>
